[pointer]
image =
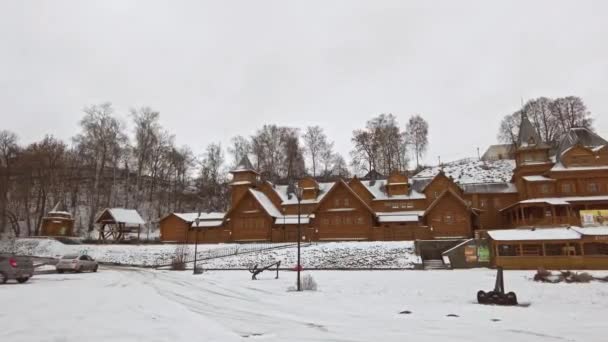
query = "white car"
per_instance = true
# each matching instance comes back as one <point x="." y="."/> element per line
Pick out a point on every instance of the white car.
<point x="76" y="263"/>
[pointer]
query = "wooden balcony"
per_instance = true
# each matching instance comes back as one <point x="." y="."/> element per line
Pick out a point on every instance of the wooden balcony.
<point x="546" y="221"/>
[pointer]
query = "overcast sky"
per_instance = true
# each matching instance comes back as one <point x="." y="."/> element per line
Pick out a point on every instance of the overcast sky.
<point x="223" y="68"/>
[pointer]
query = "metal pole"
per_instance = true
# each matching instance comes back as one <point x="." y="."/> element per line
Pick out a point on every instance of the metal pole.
<point x="195" y="250"/>
<point x="299" y="238"/>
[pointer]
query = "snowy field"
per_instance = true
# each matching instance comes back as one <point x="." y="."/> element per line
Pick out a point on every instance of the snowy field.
<point x="322" y="255"/>
<point x="148" y="305"/>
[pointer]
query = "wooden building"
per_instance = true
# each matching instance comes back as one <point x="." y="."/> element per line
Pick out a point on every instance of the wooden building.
<point x="58" y="222"/>
<point x="550" y="248"/>
<point x="544" y="188"/>
<point x="119" y="224"/>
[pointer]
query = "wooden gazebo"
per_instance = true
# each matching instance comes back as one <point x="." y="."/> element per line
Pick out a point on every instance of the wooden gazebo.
<point x="116" y="223"/>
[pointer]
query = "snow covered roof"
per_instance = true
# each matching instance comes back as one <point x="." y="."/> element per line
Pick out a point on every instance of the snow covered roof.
<point x="282" y="191"/>
<point x="376" y="188"/>
<point x="292" y="219"/>
<point x="579" y="136"/>
<point x="535" y="234"/>
<point x="266" y="203"/>
<point x="559" y="167"/>
<point x="472" y="171"/>
<point x="191" y="217"/>
<point x="489" y="188"/>
<point x="400" y="216"/>
<point x="592" y="230"/>
<point x="244" y="165"/>
<point x="207" y="223"/>
<point x="559" y="200"/>
<point x="537" y="178"/>
<point x="121" y="215"/>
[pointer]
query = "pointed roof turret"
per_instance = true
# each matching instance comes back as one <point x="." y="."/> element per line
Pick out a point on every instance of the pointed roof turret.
<point x="528" y="135"/>
<point x="244" y="166"/>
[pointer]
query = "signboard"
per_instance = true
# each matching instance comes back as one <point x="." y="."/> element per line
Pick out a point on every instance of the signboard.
<point x="595" y="217"/>
<point x="483" y="254"/>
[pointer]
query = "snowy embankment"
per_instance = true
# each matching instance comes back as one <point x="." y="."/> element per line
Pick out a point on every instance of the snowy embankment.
<point x="333" y="255"/>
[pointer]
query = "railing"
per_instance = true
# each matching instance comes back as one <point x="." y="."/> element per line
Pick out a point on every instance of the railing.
<point x="546" y="221"/>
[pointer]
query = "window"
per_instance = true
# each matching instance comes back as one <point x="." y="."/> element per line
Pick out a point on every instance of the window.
<point x="410" y="205"/>
<point x="532" y="250"/>
<point x="483" y="203"/>
<point x="548" y="212"/>
<point x="552" y="249"/>
<point x="395" y="205"/>
<point x="592" y="187"/>
<point x="325" y="222"/>
<point x="348" y="220"/>
<point x="436" y="194"/>
<point x="448" y="218"/>
<point x="337" y="220"/>
<point x="596" y="248"/>
<point x="508" y="250"/>
<point x="403" y="205"/>
<point x="387" y="204"/>
<point x="346" y="202"/>
<point x="544" y="188"/>
<point x="337" y="202"/>
<point x="566" y="188"/>
<point x="469" y="203"/>
<point x="359" y="220"/>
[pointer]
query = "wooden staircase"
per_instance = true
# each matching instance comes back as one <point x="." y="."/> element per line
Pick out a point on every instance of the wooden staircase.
<point x="433" y="264"/>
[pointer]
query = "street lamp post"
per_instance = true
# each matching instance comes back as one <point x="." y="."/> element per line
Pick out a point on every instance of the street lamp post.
<point x="196" y="222"/>
<point x="299" y="266"/>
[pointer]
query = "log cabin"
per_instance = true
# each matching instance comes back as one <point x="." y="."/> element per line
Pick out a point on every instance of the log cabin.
<point x="545" y="187"/>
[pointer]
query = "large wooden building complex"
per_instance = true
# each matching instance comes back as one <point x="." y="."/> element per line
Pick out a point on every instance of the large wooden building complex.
<point x="540" y="187"/>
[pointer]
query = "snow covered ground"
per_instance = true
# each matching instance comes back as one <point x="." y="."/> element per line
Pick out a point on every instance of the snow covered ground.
<point x="149" y="305"/>
<point x="322" y="255"/>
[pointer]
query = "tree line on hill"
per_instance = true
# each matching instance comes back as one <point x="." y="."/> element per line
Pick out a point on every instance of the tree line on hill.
<point x="551" y="118"/>
<point x="104" y="165"/>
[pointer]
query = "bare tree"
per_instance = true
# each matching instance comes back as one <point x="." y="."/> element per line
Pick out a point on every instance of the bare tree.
<point x="147" y="135"/>
<point x="316" y="144"/>
<point x="8" y="152"/>
<point x="101" y="136"/>
<point x="212" y="184"/>
<point x="551" y="118"/>
<point x="240" y="147"/>
<point x="417" y="132"/>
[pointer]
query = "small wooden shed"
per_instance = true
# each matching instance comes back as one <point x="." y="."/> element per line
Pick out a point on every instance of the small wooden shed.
<point x="117" y="223"/>
<point x="58" y="222"/>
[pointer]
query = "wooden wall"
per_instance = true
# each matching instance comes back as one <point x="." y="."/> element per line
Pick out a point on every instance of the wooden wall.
<point x="249" y="221"/>
<point x="449" y="218"/>
<point x="341" y="215"/>
<point x="173" y="229"/>
<point x="490" y="217"/>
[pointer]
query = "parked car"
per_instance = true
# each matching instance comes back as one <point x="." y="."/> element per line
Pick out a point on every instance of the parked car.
<point x="15" y="267"/>
<point x="76" y="263"/>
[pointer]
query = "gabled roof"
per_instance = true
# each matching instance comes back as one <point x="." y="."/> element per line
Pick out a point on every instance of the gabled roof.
<point x="348" y="188"/>
<point x="446" y="192"/>
<point x="191" y="217"/>
<point x="283" y="192"/>
<point x="579" y="136"/>
<point x="377" y="190"/>
<point x="121" y="215"/>
<point x="266" y="203"/>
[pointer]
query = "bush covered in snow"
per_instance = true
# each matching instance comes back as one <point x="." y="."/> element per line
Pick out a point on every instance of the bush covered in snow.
<point x="178" y="263"/>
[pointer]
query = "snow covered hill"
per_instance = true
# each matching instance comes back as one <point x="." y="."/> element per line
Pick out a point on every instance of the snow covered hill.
<point x="469" y="171"/>
<point x="333" y="255"/>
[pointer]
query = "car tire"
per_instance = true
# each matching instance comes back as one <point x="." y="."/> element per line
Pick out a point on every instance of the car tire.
<point x="60" y="271"/>
<point x="3" y="278"/>
<point x="22" y="280"/>
<point x="95" y="268"/>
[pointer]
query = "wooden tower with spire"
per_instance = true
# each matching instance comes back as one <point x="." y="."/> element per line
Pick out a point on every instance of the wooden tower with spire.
<point x="244" y="177"/>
